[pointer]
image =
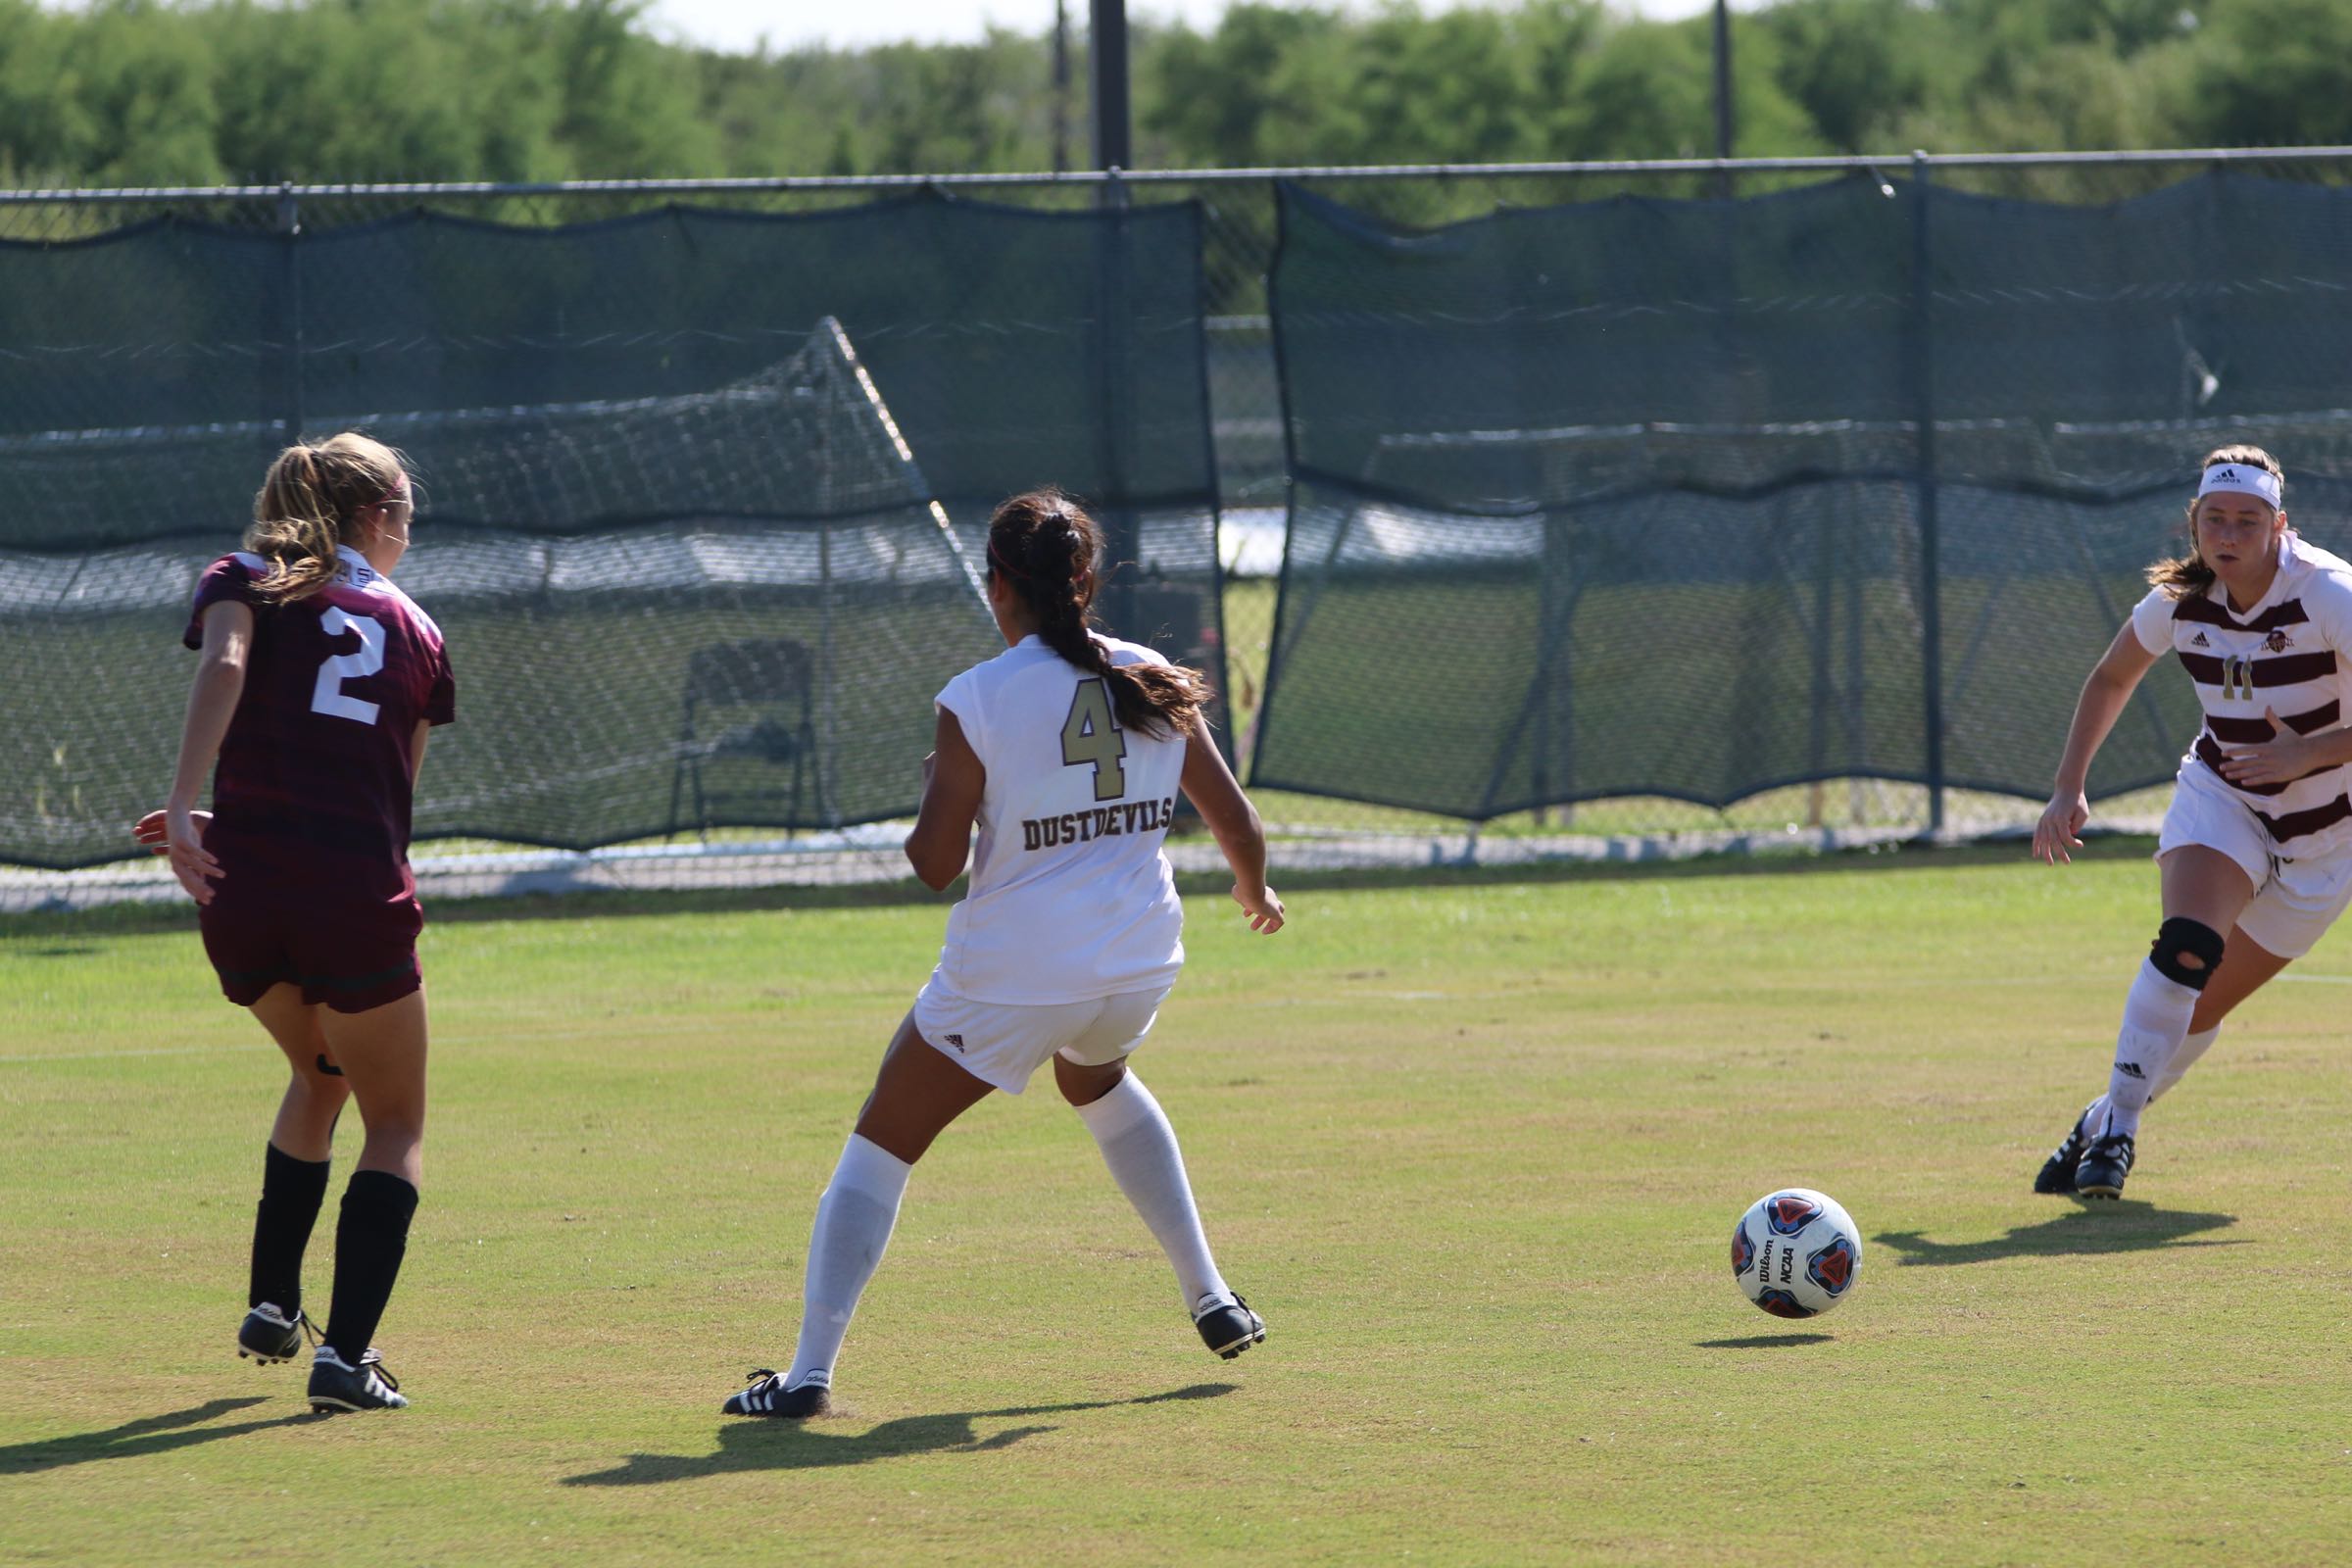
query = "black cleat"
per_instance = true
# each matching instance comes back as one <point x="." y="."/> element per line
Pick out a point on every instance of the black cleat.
<point x="2104" y="1166"/>
<point x="1227" y="1325"/>
<point x="767" y="1395"/>
<point x="269" y="1336"/>
<point x="337" y="1386"/>
<point x="2057" y="1173"/>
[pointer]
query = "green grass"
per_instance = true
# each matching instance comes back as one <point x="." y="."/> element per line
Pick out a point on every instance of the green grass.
<point x="1474" y="1149"/>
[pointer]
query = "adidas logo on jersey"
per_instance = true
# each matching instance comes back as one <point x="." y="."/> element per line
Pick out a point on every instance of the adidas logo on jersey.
<point x="2200" y="641"/>
<point x="954" y="1040"/>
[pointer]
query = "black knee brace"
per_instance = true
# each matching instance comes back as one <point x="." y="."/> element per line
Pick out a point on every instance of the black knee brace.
<point x="2178" y="939"/>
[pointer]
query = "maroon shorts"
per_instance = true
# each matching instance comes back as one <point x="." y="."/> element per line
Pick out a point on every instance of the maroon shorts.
<point x="352" y="952"/>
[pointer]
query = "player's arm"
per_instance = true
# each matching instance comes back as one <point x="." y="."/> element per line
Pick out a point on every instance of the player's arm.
<point x="1233" y="822"/>
<point x="952" y="781"/>
<point x="211" y="703"/>
<point x="2113" y="680"/>
<point x="2288" y="756"/>
<point x="425" y="732"/>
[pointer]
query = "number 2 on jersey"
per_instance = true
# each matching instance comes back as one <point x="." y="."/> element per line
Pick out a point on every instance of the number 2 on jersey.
<point x="326" y="697"/>
<point x="1091" y="735"/>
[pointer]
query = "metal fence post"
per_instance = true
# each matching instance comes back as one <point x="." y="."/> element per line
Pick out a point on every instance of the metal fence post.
<point x="1122" y="543"/>
<point x="289" y="227"/>
<point x="1922" y="376"/>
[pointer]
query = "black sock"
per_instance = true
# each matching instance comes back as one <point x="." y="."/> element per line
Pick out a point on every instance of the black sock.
<point x="370" y="1239"/>
<point x="291" y="1192"/>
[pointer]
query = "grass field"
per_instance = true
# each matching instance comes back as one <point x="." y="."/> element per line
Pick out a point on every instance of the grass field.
<point x="1474" y="1148"/>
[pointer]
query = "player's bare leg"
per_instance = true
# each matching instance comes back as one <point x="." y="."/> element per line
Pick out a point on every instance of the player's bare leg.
<point x="316" y="1092"/>
<point x="294" y="1172"/>
<point x="917" y="1093"/>
<point x="1140" y="1149"/>
<point x="383" y="1054"/>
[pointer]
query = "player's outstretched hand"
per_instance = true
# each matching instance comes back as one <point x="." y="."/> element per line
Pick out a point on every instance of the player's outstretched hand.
<point x="182" y="833"/>
<point x="1264" y="909"/>
<point x="2282" y="759"/>
<point x="2060" y="828"/>
<point x="149" y="831"/>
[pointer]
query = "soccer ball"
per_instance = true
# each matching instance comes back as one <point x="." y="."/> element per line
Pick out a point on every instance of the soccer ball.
<point x="1795" y="1252"/>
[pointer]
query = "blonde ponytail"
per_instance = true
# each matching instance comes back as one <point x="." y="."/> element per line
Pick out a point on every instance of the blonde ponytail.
<point x="303" y="514"/>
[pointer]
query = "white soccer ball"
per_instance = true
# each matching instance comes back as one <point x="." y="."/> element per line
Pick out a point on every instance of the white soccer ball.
<point x="1795" y="1252"/>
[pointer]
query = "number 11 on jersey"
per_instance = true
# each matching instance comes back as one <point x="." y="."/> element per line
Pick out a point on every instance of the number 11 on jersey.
<point x="1091" y="735"/>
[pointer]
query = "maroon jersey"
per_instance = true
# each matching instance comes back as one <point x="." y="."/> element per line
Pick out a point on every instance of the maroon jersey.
<point x="315" y="776"/>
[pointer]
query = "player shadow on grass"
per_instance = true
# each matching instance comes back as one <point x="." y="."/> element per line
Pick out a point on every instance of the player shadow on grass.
<point x="153" y="1434"/>
<point x="2122" y="1226"/>
<point x="759" y="1444"/>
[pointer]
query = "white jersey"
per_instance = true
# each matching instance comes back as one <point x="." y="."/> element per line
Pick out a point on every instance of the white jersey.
<point x="1070" y="899"/>
<point x="2283" y="652"/>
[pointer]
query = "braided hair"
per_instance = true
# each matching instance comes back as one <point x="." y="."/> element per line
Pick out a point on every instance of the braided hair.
<point x="1044" y="545"/>
<point x="304" y="508"/>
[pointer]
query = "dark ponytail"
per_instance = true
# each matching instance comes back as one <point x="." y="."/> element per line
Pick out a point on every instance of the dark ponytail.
<point x="1044" y="544"/>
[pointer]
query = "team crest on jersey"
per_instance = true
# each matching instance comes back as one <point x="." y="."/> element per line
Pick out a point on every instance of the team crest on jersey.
<point x="1788" y="1213"/>
<point x="2276" y="641"/>
<point x="1743" y="1250"/>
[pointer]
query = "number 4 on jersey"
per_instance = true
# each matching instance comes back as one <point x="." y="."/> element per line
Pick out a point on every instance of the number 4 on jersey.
<point x="1091" y="735"/>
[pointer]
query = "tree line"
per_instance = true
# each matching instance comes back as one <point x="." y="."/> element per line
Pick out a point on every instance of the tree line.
<point x="133" y="92"/>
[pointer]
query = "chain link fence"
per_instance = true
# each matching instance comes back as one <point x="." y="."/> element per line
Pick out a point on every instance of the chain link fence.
<point x="1241" y="232"/>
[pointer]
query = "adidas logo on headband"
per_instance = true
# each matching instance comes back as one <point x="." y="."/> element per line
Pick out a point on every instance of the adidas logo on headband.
<point x="2238" y="479"/>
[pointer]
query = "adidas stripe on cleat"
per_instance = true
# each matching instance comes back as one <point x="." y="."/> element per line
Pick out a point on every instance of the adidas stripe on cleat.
<point x="336" y="1385"/>
<point x="1227" y="1325"/>
<point x="269" y="1336"/>
<point x="2104" y="1166"/>
<point x="2057" y="1173"/>
<point x="767" y="1395"/>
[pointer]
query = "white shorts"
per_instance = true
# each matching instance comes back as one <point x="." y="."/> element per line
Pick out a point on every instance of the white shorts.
<point x="2295" y="901"/>
<point x="1002" y="1045"/>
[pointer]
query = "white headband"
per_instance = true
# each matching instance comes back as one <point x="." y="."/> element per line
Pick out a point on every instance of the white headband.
<point x="2240" y="479"/>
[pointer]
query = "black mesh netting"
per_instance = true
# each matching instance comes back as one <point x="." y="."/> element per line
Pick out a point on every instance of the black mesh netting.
<point x="704" y="493"/>
<point x="1695" y="499"/>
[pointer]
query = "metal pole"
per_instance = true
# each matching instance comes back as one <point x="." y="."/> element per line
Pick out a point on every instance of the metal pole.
<point x="289" y="225"/>
<point x="1061" y="86"/>
<point x="1931" y="565"/>
<point x="1106" y="66"/>
<point x="1723" y="86"/>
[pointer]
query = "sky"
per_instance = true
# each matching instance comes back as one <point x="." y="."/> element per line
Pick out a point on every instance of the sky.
<point x="737" y="25"/>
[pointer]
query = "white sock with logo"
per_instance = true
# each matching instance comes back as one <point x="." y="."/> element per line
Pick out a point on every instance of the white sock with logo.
<point x="1139" y="1147"/>
<point x="2192" y="1047"/>
<point x="2156" y="1017"/>
<point x="854" y="1222"/>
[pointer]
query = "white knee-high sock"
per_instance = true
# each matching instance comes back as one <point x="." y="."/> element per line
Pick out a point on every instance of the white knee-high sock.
<point x="2191" y="1048"/>
<point x="2156" y="1015"/>
<point x="1139" y="1147"/>
<point x="854" y="1221"/>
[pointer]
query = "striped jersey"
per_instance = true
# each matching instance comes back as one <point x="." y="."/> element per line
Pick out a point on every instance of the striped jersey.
<point x="1072" y="899"/>
<point x="2284" y="653"/>
<point x="317" y="757"/>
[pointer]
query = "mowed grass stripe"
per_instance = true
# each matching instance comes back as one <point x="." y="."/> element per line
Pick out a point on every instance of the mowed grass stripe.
<point x="1487" y="1227"/>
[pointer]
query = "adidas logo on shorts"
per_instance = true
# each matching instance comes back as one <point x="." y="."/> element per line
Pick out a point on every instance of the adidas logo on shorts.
<point x="954" y="1040"/>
